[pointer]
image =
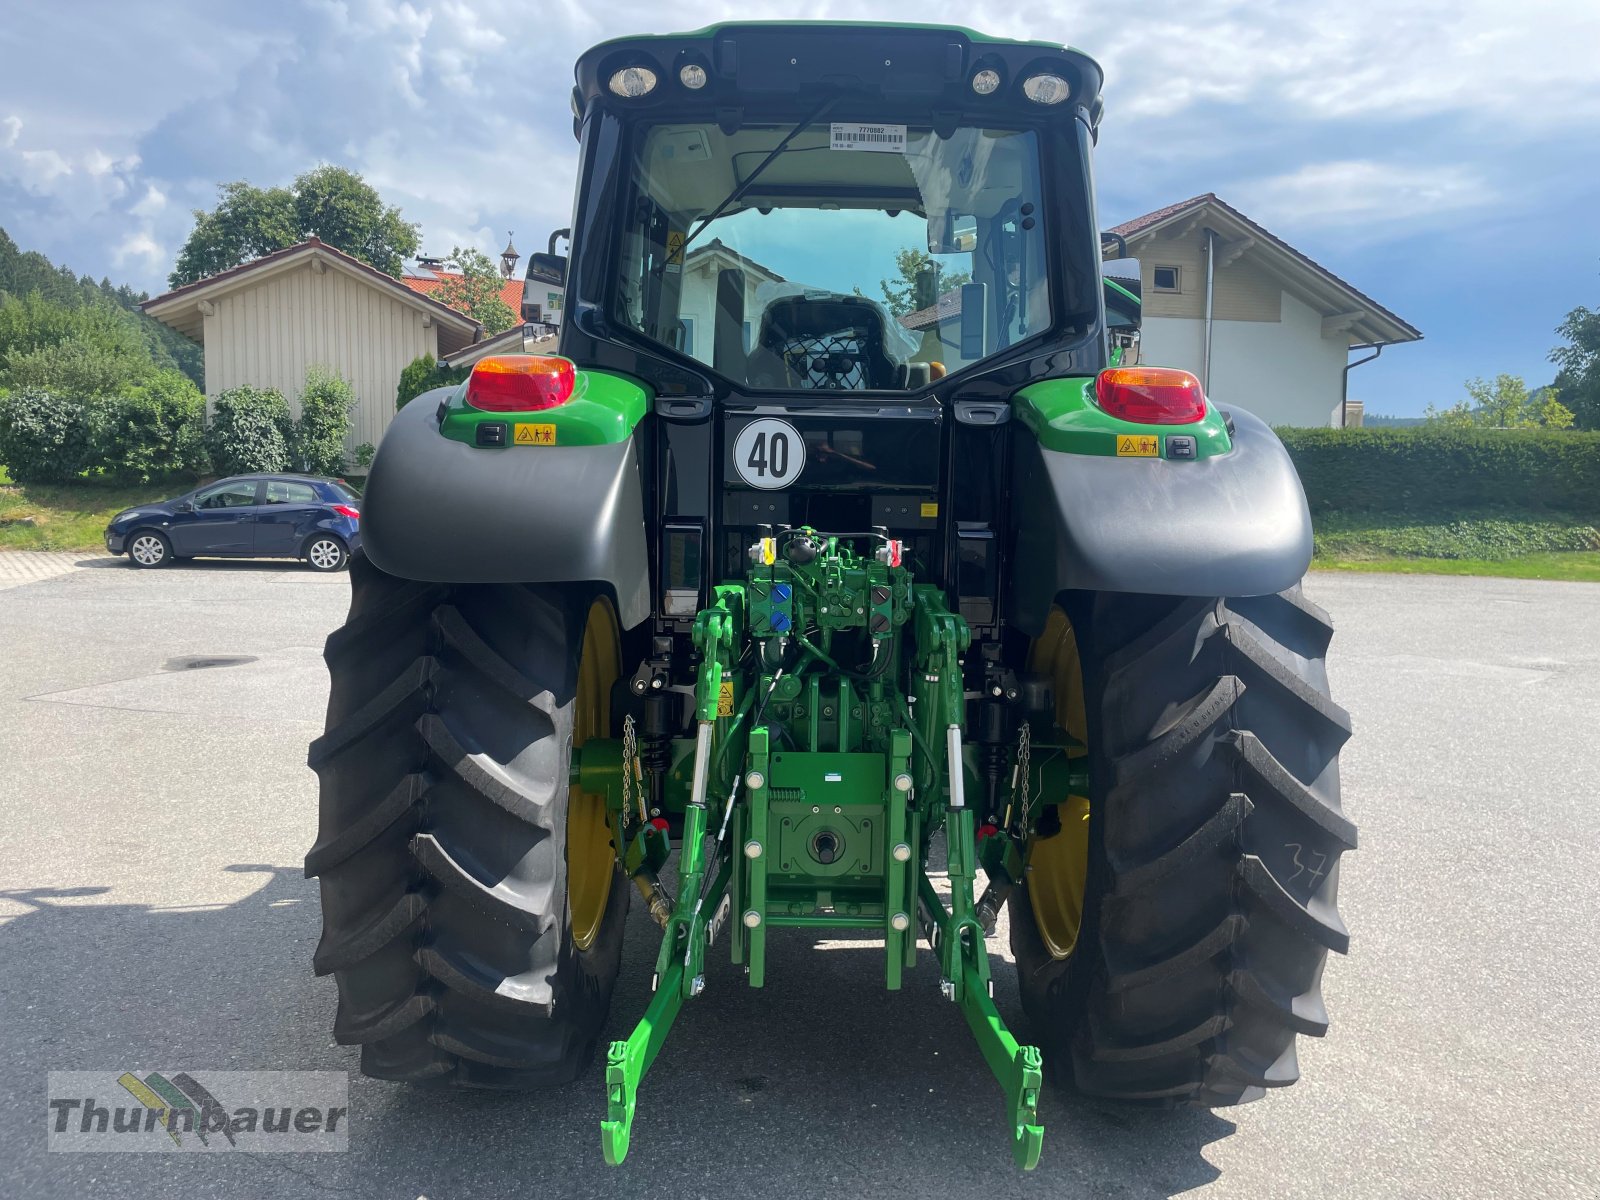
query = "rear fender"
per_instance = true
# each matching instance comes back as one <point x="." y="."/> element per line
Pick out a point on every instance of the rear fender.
<point x="1234" y="524"/>
<point x="443" y="511"/>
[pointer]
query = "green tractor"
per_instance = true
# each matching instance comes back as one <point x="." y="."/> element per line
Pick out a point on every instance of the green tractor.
<point x="841" y="577"/>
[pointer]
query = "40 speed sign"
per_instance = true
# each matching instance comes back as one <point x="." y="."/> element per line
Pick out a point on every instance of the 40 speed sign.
<point x="769" y="453"/>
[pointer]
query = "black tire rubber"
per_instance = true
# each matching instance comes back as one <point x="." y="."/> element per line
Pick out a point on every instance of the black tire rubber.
<point x="344" y="553"/>
<point x="442" y="842"/>
<point x="1215" y="837"/>
<point x="167" y="558"/>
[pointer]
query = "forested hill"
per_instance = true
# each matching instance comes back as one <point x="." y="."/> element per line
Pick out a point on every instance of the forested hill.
<point x="27" y="273"/>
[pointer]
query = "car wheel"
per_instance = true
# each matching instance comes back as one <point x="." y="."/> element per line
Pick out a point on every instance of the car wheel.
<point x="326" y="554"/>
<point x="147" y="548"/>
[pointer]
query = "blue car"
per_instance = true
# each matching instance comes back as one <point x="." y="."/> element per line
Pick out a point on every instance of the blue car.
<point x="247" y="516"/>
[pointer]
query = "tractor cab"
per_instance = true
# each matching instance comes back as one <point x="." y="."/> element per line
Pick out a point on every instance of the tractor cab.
<point x="777" y="209"/>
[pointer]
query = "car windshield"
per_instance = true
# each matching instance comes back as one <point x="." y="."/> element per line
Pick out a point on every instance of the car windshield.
<point x="859" y="257"/>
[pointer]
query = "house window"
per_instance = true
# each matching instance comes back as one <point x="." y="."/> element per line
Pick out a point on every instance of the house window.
<point x="688" y="335"/>
<point x="1167" y="279"/>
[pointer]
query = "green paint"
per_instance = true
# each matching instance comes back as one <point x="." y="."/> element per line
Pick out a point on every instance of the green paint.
<point x="1063" y="415"/>
<point x="1124" y="292"/>
<point x="603" y="409"/>
<point x="830" y="822"/>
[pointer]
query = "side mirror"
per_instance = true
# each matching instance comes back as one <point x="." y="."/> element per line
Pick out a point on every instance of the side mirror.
<point x="546" y="273"/>
<point x="1124" y="309"/>
<point x="952" y="234"/>
<point x="183" y="506"/>
<point x="1124" y="295"/>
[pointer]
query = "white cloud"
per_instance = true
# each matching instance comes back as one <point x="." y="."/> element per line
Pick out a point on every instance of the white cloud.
<point x="140" y="249"/>
<point x="153" y="202"/>
<point x="1332" y="194"/>
<point x="457" y="109"/>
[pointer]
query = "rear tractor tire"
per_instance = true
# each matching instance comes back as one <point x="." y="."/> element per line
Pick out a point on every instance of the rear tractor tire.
<point x="472" y="906"/>
<point x="1174" y="956"/>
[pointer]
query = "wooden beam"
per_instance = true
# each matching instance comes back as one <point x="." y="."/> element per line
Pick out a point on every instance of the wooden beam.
<point x="1340" y="322"/>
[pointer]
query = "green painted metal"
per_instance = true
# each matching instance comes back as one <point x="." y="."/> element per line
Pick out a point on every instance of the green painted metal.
<point x="603" y="409"/>
<point x="1063" y="415"/>
<point x="1124" y="292"/>
<point x="831" y="823"/>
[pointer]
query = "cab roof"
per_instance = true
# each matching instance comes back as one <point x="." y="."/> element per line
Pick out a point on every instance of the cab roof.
<point x="764" y="64"/>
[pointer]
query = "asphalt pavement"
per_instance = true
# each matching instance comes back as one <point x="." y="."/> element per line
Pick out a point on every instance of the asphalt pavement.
<point x="153" y="916"/>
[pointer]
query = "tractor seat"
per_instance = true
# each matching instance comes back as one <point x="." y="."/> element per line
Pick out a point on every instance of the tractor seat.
<point x="832" y="343"/>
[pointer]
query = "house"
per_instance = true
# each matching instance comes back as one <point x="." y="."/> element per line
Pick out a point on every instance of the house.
<point x="429" y="276"/>
<point x="525" y="338"/>
<point x="697" y="301"/>
<point x="265" y="323"/>
<point x="1259" y="323"/>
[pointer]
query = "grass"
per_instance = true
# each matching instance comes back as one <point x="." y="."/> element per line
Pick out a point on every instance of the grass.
<point x="1514" y="543"/>
<point x="1581" y="566"/>
<point x="66" y="516"/>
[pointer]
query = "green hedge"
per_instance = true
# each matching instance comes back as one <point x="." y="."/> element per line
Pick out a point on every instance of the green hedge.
<point x="250" y="431"/>
<point x="1434" y="470"/>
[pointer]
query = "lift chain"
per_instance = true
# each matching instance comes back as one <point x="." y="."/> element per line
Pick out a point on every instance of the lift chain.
<point x="1023" y="775"/>
<point x="630" y="772"/>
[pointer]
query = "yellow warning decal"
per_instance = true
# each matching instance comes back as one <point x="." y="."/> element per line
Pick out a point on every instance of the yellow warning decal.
<point x="535" y="435"/>
<point x="929" y="509"/>
<point x="1138" y="445"/>
<point x="725" y="699"/>
<point x="675" y="240"/>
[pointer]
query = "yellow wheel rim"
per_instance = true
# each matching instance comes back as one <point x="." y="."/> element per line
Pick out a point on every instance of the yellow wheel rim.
<point x="1058" y="866"/>
<point x="590" y="855"/>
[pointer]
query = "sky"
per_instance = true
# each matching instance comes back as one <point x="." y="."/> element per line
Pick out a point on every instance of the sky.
<point x="1443" y="157"/>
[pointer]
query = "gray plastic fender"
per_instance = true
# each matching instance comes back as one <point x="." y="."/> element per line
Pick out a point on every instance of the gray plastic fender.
<point x="1232" y="525"/>
<point x="439" y="510"/>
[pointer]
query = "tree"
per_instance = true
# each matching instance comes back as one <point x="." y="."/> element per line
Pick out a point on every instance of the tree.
<point x="1579" y="360"/>
<point x="902" y="294"/>
<point x="327" y="202"/>
<point x="1549" y="411"/>
<point x="344" y="210"/>
<point x="83" y="352"/>
<point x="1505" y="404"/>
<point x="249" y="431"/>
<point x="154" y="431"/>
<point x="30" y="277"/>
<point x="423" y="375"/>
<point x="247" y="223"/>
<point x="45" y="438"/>
<point x="324" y="423"/>
<point x="475" y="290"/>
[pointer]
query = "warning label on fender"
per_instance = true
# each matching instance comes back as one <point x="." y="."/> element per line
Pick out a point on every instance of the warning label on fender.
<point x="1138" y="445"/>
<point x="535" y="435"/>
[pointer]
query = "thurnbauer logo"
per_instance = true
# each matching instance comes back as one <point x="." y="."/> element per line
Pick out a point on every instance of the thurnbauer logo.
<point x="232" y="1110"/>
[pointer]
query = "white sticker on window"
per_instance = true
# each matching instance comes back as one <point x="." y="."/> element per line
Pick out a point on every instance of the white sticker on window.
<point x="885" y="139"/>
